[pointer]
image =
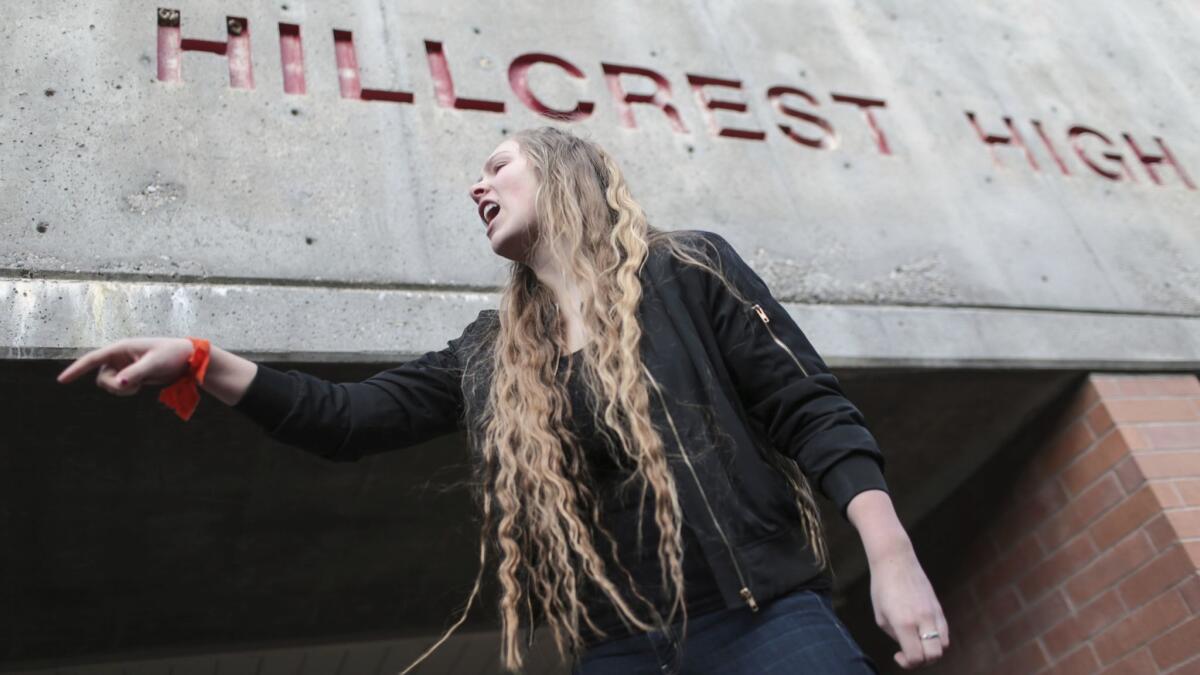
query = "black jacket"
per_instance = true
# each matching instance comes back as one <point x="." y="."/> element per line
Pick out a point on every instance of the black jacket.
<point x="739" y="380"/>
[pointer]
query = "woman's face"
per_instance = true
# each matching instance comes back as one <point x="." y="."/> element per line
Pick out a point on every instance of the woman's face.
<point x="508" y="182"/>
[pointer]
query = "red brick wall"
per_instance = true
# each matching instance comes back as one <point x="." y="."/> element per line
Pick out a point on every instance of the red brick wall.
<point x="1093" y="562"/>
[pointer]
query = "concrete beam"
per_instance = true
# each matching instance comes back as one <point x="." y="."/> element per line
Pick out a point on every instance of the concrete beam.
<point x="62" y="318"/>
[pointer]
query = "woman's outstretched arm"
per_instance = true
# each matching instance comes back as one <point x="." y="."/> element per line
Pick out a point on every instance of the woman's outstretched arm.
<point x="341" y="421"/>
<point x="228" y="376"/>
<point x="344" y="421"/>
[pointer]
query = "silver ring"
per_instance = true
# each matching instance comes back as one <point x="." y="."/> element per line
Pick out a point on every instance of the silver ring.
<point x="930" y="635"/>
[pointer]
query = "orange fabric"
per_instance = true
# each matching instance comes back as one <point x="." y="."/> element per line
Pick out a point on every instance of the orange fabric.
<point x="182" y="396"/>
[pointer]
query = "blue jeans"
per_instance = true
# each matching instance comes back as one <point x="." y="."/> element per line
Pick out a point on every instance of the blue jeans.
<point x="794" y="633"/>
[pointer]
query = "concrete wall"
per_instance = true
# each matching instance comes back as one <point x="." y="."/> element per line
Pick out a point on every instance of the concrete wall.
<point x="136" y="198"/>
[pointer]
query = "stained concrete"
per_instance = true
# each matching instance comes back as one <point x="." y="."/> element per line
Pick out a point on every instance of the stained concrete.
<point x="318" y="322"/>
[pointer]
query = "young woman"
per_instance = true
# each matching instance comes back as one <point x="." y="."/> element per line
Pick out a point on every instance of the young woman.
<point x="647" y="421"/>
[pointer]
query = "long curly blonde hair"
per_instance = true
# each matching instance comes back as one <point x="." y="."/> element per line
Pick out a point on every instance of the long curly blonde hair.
<point x="532" y="483"/>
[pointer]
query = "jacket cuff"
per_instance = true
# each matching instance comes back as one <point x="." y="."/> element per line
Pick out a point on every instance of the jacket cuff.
<point x="269" y="398"/>
<point x="849" y="476"/>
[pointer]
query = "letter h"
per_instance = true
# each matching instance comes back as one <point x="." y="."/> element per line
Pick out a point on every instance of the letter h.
<point x="236" y="49"/>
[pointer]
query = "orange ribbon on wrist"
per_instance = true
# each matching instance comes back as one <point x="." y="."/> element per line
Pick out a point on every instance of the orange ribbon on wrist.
<point x="182" y="395"/>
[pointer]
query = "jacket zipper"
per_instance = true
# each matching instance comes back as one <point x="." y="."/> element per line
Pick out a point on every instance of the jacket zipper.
<point x="744" y="592"/>
<point x="762" y="314"/>
<point x="747" y="596"/>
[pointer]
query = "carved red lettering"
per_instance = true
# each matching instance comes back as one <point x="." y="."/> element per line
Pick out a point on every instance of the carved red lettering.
<point x="1076" y="131"/>
<point x="443" y="83"/>
<point x="707" y="106"/>
<point x="1148" y="161"/>
<point x="1107" y="162"/>
<point x="235" y="49"/>
<point x="990" y="140"/>
<point x="661" y="97"/>
<point x="865" y="104"/>
<point x="349" y="82"/>
<point x="291" y="58"/>
<point x="518" y="79"/>
<point x="1062" y="166"/>
<point x="828" y="142"/>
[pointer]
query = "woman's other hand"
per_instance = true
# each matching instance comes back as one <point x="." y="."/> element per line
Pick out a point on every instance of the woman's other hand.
<point x="906" y="607"/>
<point x="905" y="604"/>
<point x="125" y="365"/>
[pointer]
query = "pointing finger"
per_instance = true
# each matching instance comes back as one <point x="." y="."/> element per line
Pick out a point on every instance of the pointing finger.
<point x="85" y="363"/>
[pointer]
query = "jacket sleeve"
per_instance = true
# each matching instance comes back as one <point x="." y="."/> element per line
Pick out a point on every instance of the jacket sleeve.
<point x="343" y="421"/>
<point x="787" y="388"/>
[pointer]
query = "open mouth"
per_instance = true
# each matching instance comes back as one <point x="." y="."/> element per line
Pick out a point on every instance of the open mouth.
<point x="488" y="211"/>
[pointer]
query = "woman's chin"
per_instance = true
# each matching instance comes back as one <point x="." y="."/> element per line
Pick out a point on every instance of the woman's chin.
<point x="511" y="241"/>
<point x="500" y="244"/>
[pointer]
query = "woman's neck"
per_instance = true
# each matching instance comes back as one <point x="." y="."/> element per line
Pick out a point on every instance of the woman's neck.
<point x="566" y="293"/>
<point x="568" y="296"/>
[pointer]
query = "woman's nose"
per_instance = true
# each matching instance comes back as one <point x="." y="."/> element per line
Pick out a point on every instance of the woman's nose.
<point x="477" y="191"/>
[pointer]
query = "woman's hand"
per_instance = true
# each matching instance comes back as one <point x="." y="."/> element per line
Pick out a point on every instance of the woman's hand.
<point x="127" y="364"/>
<point x="906" y="606"/>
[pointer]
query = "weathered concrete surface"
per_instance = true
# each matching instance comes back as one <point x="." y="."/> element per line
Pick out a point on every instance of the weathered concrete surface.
<point x="387" y="325"/>
<point x="109" y="173"/>
<point x="300" y="322"/>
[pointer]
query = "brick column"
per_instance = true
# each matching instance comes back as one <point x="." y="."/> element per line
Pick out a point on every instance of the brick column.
<point x="1092" y="564"/>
